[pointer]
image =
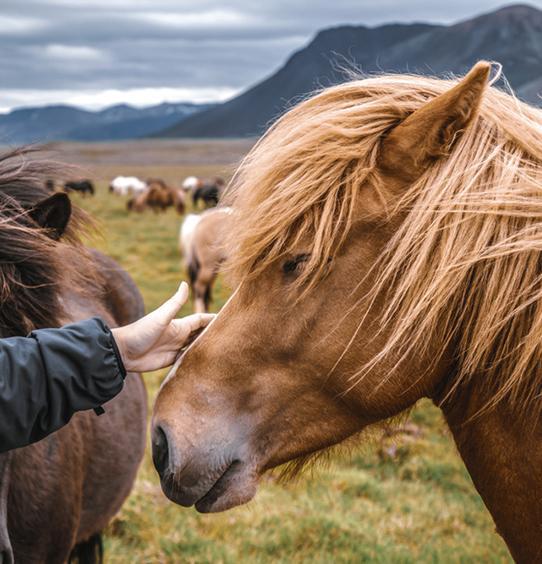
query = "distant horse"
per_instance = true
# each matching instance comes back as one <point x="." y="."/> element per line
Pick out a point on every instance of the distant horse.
<point x="57" y="495"/>
<point x="191" y="183"/>
<point x="208" y="191"/>
<point x="82" y="186"/>
<point x="201" y="240"/>
<point x="158" y="196"/>
<point x="386" y="245"/>
<point x="126" y="185"/>
<point x="209" y="195"/>
<point x="161" y="196"/>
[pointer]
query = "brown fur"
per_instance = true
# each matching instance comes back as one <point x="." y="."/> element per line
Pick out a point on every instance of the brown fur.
<point x="137" y="203"/>
<point x="386" y="247"/>
<point x="63" y="490"/>
<point x="159" y="197"/>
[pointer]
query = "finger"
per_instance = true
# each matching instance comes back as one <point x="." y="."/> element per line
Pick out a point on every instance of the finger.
<point x="187" y="326"/>
<point x="184" y="339"/>
<point x="198" y="320"/>
<point x="168" y="310"/>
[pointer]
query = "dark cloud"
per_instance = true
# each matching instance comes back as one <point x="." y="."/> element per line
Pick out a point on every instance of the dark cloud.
<point x="51" y="48"/>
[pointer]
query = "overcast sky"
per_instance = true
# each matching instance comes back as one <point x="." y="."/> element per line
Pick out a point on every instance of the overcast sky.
<point x="94" y="53"/>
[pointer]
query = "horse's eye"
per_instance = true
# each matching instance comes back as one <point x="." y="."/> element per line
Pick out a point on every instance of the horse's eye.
<point x="291" y="266"/>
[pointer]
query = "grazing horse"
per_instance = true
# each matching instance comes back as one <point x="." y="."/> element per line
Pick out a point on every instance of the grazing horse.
<point x="208" y="192"/>
<point x="57" y="495"/>
<point x="386" y="246"/>
<point x="191" y="183"/>
<point x="201" y="242"/>
<point x="82" y="186"/>
<point x="125" y="185"/>
<point x="159" y="195"/>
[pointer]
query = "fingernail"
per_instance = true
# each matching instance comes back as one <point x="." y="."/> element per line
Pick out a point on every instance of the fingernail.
<point x="183" y="283"/>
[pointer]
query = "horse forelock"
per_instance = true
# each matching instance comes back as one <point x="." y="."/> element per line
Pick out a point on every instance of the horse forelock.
<point x="465" y="264"/>
<point x="29" y="274"/>
<point x="32" y="265"/>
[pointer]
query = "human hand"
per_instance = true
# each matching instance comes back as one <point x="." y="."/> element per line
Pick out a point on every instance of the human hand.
<point x="154" y="341"/>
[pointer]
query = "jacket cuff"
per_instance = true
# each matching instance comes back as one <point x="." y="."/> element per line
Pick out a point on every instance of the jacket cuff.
<point x="114" y="346"/>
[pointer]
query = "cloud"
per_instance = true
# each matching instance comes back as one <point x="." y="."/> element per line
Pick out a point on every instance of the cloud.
<point x="197" y="48"/>
<point x="206" y="20"/>
<point x="16" y="25"/>
<point x="98" y="99"/>
<point x="148" y="96"/>
<point x="74" y="52"/>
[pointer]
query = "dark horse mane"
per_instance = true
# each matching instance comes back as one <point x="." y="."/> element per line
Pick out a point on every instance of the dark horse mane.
<point x="31" y="265"/>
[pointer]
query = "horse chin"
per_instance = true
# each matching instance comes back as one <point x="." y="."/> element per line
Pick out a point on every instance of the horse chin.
<point x="237" y="485"/>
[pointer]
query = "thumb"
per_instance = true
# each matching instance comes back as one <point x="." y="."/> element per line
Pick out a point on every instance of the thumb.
<point x="168" y="310"/>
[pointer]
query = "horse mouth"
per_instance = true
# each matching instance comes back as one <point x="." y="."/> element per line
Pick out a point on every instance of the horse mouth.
<point x="236" y="486"/>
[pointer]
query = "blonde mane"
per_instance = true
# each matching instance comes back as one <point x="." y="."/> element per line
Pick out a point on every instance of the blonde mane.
<point x="465" y="263"/>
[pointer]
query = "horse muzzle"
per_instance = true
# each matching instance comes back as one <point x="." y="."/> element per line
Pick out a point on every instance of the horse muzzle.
<point x="214" y="478"/>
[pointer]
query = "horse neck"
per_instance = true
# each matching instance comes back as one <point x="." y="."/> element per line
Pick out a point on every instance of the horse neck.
<point x="504" y="459"/>
<point x="5" y="544"/>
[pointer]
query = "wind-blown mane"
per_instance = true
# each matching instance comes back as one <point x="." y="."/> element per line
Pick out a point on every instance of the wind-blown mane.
<point x="466" y="261"/>
<point x="31" y="265"/>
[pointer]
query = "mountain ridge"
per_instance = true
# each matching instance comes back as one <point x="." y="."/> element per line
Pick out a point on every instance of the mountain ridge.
<point x="71" y="123"/>
<point x="511" y="35"/>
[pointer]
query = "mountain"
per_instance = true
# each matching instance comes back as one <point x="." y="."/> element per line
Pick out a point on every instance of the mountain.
<point x="510" y="35"/>
<point x="51" y="123"/>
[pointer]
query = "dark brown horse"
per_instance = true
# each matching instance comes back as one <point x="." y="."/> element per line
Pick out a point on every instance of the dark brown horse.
<point x="56" y="496"/>
<point x="82" y="186"/>
<point x="387" y="246"/>
<point x="209" y="192"/>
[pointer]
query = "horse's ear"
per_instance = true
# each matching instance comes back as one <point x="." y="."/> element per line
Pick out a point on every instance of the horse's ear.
<point x="430" y="132"/>
<point x="53" y="214"/>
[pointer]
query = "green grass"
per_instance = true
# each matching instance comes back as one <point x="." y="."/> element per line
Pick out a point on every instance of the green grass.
<point x="417" y="507"/>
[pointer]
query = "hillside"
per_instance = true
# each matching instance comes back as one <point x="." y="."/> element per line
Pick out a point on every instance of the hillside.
<point x="61" y="122"/>
<point x="511" y="35"/>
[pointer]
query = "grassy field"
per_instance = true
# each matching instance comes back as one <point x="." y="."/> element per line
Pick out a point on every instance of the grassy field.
<point x="401" y="499"/>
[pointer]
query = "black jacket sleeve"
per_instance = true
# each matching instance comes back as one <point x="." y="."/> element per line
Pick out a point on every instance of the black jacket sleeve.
<point x="49" y="375"/>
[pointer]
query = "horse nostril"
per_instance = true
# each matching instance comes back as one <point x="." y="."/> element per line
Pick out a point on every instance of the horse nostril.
<point x="160" y="450"/>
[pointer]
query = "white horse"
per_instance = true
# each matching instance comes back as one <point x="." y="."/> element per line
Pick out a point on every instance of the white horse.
<point x="191" y="184"/>
<point x="125" y="185"/>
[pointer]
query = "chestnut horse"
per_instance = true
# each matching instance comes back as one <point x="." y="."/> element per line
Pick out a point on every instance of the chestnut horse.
<point x="57" y="495"/>
<point x="158" y="196"/>
<point x="386" y="247"/>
